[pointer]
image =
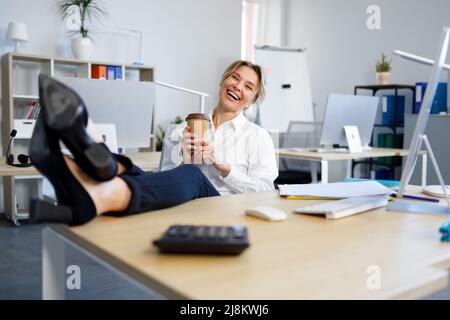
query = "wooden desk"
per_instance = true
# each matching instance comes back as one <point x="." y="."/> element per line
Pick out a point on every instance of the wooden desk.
<point x="303" y="257"/>
<point x="148" y="161"/>
<point x="324" y="157"/>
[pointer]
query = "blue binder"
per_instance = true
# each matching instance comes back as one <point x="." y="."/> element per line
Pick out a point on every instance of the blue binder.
<point x="110" y="72"/>
<point x="439" y="101"/>
<point x="119" y="75"/>
<point x="387" y="114"/>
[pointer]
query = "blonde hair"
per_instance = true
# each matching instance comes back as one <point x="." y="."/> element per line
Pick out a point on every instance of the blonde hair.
<point x="261" y="90"/>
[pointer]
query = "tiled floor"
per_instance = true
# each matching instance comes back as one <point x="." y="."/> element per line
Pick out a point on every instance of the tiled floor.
<point x="21" y="267"/>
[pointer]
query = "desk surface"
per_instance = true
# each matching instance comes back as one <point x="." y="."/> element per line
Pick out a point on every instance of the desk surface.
<point x="148" y="161"/>
<point x="303" y="257"/>
<point x="319" y="156"/>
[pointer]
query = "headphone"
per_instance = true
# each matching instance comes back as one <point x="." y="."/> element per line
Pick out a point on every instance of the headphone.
<point x="23" y="159"/>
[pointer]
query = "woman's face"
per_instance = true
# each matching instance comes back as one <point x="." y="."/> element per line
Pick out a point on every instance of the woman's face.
<point x="239" y="89"/>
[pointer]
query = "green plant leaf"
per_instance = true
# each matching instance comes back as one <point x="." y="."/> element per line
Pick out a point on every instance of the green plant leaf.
<point x="178" y="120"/>
<point x="383" y="65"/>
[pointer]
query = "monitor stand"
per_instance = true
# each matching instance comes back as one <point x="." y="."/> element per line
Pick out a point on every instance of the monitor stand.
<point x="418" y="207"/>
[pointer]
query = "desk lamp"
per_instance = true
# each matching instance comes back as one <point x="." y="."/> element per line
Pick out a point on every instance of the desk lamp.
<point x="17" y="32"/>
<point x="428" y="62"/>
<point x="202" y="95"/>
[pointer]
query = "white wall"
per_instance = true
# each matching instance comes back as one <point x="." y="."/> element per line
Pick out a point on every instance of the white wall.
<point x="342" y="51"/>
<point x="189" y="42"/>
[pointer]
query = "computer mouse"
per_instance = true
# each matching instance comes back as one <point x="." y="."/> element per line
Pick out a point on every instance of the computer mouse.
<point x="267" y="213"/>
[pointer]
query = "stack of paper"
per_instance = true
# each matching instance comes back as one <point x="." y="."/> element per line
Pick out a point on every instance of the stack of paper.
<point x="335" y="190"/>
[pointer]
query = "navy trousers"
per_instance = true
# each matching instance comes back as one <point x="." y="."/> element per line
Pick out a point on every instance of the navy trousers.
<point x="153" y="191"/>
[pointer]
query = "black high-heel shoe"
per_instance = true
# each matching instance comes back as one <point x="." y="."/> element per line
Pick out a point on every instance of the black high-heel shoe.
<point x="75" y="206"/>
<point x="66" y="114"/>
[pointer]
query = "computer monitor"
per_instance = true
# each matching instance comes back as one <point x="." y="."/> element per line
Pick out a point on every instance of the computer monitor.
<point x="348" y="110"/>
<point x="422" y="120"/>
<point x="127" y="104"/>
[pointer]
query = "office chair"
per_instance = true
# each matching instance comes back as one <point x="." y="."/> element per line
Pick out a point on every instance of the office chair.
<point x="300" y="134"/>
<point x="171" y="147"/>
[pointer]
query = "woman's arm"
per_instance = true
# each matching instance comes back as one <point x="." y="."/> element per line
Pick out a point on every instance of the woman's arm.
<point x="262" y="167"/>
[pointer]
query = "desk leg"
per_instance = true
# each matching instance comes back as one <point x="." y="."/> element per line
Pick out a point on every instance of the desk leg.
<point x="349" y="169"/>
<point x="324" y="169"/>
<point x="424" y="169"/>
<point x="53" y="266"/>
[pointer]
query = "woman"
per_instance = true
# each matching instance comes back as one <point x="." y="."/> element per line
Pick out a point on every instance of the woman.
<point x="96" y="182"/>
<point x="242" y="157"/>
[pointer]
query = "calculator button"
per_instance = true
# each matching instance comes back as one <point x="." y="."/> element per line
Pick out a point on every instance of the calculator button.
<point x="238" y="231"/>
<point x="199" y="232"/>
<point x="223" y="231"/>
<point x="185" y="231"/>
<point x="211" y="232"/>
<point x="173" y="231"/>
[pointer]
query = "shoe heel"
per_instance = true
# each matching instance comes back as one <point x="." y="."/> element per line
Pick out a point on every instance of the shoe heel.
<point x="104" y="166"/>
<point x="42" y="211"/>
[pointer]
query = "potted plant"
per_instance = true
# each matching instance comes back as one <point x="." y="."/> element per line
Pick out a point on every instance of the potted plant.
<point x="78" y="14"/>
<point x="383" y="68"/>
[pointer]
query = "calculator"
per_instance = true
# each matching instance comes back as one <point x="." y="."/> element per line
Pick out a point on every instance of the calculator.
<point x="201" y="239"/>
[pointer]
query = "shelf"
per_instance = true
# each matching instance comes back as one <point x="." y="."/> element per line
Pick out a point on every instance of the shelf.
<point x="23" y="214"/>
<point x="28" y="177"/>
<point x="17" y="102"/>
<point x="386" y="87"/>
<point x="376" y="162"/>
<point x="25" y="97"/>
<point x="397" y="130"/>
<point x="29" y="58"/>
<point x="388" y="126"/>
<point x="72" y="62"/>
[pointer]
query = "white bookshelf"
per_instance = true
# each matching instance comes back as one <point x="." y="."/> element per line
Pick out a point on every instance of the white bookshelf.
<point x="19" y="74"/>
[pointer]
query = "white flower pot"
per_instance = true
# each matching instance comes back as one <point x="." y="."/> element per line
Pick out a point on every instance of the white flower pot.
<point x="82" y="48"/>
<point x="383" y="78"/>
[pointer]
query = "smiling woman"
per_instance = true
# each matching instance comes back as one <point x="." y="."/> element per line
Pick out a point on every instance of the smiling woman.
<point x="240" y="156"/>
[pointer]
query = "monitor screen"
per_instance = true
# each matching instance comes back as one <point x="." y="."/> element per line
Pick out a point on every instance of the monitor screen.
<point x="348" y="110"/>
<point x="127" y="104"/>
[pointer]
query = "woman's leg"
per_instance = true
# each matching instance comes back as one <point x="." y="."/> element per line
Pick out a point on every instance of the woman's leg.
<point x="167" y="188"/>
<point x="112" y="195"/>
<point x="135" y="192"/>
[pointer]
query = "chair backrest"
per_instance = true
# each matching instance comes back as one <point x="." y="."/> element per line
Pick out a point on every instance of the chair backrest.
<point x="301" y="134"/>
<point x="172" y="140"/>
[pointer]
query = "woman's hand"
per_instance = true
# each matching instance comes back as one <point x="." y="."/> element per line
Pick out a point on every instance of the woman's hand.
<point x="191" y="147"/>
<point x="196" y="150"/>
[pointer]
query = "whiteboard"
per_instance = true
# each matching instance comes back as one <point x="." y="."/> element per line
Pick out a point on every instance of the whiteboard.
<point x="288" y="89"/>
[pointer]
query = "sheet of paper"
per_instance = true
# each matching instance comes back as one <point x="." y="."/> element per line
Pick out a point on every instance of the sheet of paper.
<point x="336" y="190"/>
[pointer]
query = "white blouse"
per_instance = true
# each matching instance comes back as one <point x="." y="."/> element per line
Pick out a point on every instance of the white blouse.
<point x="243" y="145"/>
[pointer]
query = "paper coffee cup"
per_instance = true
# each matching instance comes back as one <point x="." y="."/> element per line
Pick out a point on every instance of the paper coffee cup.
<point x="198" y="123"/>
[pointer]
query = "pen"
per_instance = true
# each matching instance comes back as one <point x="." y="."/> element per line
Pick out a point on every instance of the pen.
<point x="420" y="198"/>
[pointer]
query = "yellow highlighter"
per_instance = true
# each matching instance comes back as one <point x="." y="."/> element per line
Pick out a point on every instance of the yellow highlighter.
<point x="309" y="198"/>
